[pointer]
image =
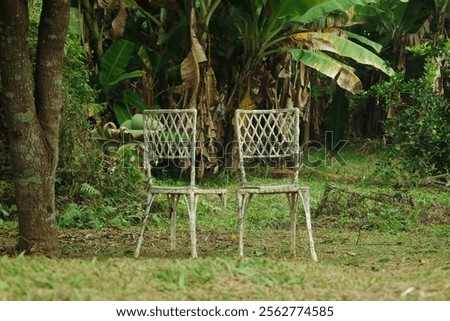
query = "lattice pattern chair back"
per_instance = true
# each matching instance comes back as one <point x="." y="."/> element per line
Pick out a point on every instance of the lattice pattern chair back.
<point x="268" y="134"/>
<point x="170" y="135"/>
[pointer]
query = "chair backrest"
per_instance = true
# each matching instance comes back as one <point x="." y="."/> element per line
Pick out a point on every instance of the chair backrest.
<point x="268" y="134"/>
<point x="170" y="134"/>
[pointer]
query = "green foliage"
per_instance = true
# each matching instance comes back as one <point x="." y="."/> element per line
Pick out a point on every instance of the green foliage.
<point x="79" y="105"/>
<point x="323" y="8"/>
<point x="112" y="193"/>
<point x="436" y="61"/>
<point x="261" y="35"/>
<point x="113" y="70"/>
<point x="421" y="132"/>
<point x="89" y="190"/>
<point x="441" y="48"/>
<point x="132" y="99"/>
<point x="97" y="184"/>
<point x="6" y="220"/>
<point x="76" y="216"/>
<point x="418" y="132"/>
<point x="6" y="208"/>
<point x="114" y="64"/>
<point x="5" y="213"/>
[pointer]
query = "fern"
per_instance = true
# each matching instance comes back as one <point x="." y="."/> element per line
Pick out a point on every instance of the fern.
<point x="71" y="216"/>
<point x="106" y="211"/>
<point x="89" y="190"/>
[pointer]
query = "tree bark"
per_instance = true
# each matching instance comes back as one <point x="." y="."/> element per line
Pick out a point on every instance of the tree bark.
<point x="33" y="112"/>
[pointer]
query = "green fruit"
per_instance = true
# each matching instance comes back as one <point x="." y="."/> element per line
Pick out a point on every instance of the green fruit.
<point x="137" y="121"/>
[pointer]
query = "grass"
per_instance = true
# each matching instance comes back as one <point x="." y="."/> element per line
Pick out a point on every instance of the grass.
<point x="381" y="267"/>
<point x="381" y="263"/>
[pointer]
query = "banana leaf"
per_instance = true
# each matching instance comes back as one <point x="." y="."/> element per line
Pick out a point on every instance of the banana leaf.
<point x="343" y="74"/>
<point x="132" y="99"/>
<point x="325" y="7"/>
<point x="376" y="46"/>
<point x="114" y="63"/>
<point x="343" y="47"/>
<point x="121" y="112"/>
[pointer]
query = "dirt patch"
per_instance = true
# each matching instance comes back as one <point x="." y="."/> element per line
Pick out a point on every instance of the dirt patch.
<point x="436" y="214"/>
<point x="114" y="242"/>
<point x="78" y="243"/>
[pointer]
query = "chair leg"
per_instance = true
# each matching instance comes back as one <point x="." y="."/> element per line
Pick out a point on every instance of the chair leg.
<point x="240" y="208"/>
<point x="305" y="199"/>
<point x="242" y="203"/>
<point x="150" y="198"/>
<point x="173" y="203"/>
<point x="192" y="208"/>
<point x="223" y="198"/>
<point x="293" y="208"/>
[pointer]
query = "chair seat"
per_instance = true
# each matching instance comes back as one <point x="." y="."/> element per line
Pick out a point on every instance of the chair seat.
<point x="185" y="190"/>
<point x="270" y="189"/>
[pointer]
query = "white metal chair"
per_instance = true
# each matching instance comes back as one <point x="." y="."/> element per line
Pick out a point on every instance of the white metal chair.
<point x="170" y="134"/>
<point x="271" y="135"/>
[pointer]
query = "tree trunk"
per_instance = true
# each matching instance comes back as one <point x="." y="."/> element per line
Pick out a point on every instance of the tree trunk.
<point x="33" y="112"/>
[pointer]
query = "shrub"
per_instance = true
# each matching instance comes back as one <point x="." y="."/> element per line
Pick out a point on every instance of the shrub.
<point x="417" y="134"/>
<point x="420" y="130"/>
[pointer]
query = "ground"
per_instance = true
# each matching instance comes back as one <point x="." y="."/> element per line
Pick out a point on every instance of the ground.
<point x="98" y="265"/>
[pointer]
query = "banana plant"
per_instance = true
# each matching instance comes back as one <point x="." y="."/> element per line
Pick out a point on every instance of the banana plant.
<point x="267" y="26"/>
<point x="280" y="44"/>
<point x="398" y="24"/>
<point x="401" y="24"/>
